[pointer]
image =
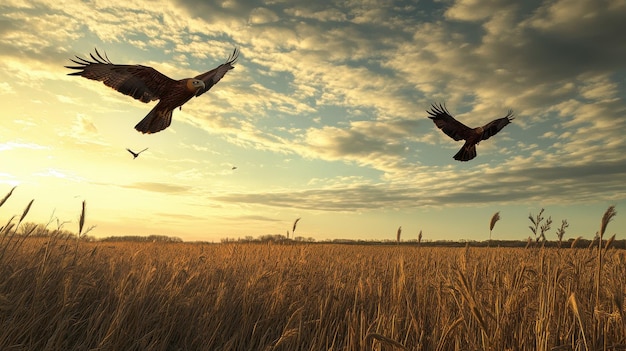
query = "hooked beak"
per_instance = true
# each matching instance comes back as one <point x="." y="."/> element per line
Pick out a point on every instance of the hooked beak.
<point x="202" y="86"/>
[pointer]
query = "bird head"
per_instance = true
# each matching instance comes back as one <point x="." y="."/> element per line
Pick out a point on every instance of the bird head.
<point x="194" y="85"/>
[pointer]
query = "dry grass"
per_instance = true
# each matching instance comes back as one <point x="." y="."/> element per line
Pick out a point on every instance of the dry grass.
<point x="156" y="296"/>
<point x="57" y="293"/>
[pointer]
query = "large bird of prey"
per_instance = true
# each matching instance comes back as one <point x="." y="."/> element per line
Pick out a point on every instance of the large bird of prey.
<point x="147" y="84"/>
<point x="459" y="131"/>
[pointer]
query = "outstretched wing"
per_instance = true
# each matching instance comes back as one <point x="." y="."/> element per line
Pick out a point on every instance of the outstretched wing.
<point x="492" y="128"/>
<point x="444" y="121"/>
<point x="213" y="76"/>
<point x="142" y="83"/>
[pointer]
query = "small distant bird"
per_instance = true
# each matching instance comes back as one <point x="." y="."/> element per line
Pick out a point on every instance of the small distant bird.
<point x="135" y="154"/>
<point x="459" y="131"/>
<point x="147" y="84"/>
<point x="234" y="168"/>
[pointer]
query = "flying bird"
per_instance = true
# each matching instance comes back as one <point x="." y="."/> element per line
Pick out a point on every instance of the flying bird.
<point x="459" y="131"/>
<point x="135" y="154"/>
<point x="147" y="84"/>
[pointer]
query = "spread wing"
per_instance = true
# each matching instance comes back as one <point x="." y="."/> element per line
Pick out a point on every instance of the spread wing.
<point x="492" y="128"/>
<point x="142" y="83"/>
<point x="444" y="121"/>
<point x="213" y="76"/>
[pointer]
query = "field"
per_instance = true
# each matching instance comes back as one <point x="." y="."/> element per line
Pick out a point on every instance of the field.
<point x="59" y="291"/>
<point x="62" y="294"/>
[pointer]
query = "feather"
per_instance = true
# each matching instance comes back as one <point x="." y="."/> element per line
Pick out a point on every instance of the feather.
<point x="459" y="131"/>
<point x="157" y="120"/>
<point x="213" y="76"/>
<point x="147" y="84"/>
<point x="448" y="124"/>
<point x="492" y="128"/>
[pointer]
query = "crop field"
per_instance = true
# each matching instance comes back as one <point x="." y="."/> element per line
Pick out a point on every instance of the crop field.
<point x="58" y="293"/>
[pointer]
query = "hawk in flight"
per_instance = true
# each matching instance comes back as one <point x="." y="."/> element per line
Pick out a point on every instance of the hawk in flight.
<point x="459" y="131"/>
<point x="147" y="84"/>
<point x="135" y="154"/>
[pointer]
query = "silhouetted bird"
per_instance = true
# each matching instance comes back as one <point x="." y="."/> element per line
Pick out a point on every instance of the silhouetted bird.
<point x="147" y="84"/>
<point x="459" y="131"/>
<point x="234" y="168"/>
<point x="135" y="154"/>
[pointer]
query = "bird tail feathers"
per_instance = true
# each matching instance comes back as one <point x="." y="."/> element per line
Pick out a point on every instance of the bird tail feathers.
<point x="466" y="153"/>
<point x="155" y="121"/>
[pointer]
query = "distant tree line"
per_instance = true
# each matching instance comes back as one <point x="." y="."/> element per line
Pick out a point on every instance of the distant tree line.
<point x="36" y="230"/>
<point x="39" y="230"/>
<point x="274" y="238"/>
<point x="140" y="238"/>
<point x="570" y="243"/>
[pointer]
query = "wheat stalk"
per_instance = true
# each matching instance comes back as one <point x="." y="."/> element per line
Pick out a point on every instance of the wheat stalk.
<point x="573" y="245"/>
<point x="574" y="305"/>
<point x="293" y="230"/>
<point x="6" y="197"/>
<point x="606" y="218"/>
<point x="81" y="221"/>
<point x="492" y="223"/>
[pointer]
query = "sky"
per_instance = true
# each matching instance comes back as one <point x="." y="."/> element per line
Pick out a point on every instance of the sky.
<point x="324" y="116"/>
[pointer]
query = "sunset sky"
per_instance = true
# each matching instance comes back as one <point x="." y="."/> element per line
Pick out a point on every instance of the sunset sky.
<point x="323" y="116"/>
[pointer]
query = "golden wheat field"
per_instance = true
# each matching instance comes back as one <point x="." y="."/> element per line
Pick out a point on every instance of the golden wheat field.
<point x="61" y="294"/>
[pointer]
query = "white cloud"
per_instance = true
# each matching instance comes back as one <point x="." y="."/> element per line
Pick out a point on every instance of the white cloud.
<point x="6" y="89"/>
<point x="261" y="15"/>
<point x="11" y="145"/>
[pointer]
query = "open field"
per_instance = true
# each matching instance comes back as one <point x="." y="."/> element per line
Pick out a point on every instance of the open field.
<point x="63" y="294"/>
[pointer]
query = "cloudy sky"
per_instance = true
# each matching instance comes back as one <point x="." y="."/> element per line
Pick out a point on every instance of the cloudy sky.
<point x="323" y="116"/>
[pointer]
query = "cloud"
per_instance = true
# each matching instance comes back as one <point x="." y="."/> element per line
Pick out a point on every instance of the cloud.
<point x="83" y="131"/>
<point x="11" y="145"/>
<point x="6" y="89"/>
<point x="376" y="144"/>
<point x="442" y="188"/>
<point x="62" y="174"/>
<point x="326" y="15"/>
<point x="261" y="15"/>
<point x="181" y="216"/>
<point x="159" y="187"/>
<point x="255" y="218"/>
<point x="471" y="10"/>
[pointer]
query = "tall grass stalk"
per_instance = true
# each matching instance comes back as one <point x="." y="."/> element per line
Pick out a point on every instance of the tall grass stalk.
<point x="571" y="301"/>
<point x="606" y="218"/>
<point x="598" y="313"/>
<point x="6" y="197"/>
<point x="293" y="230"/>
<point x="492" y="223"/>
<point x="9" y="241"/>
